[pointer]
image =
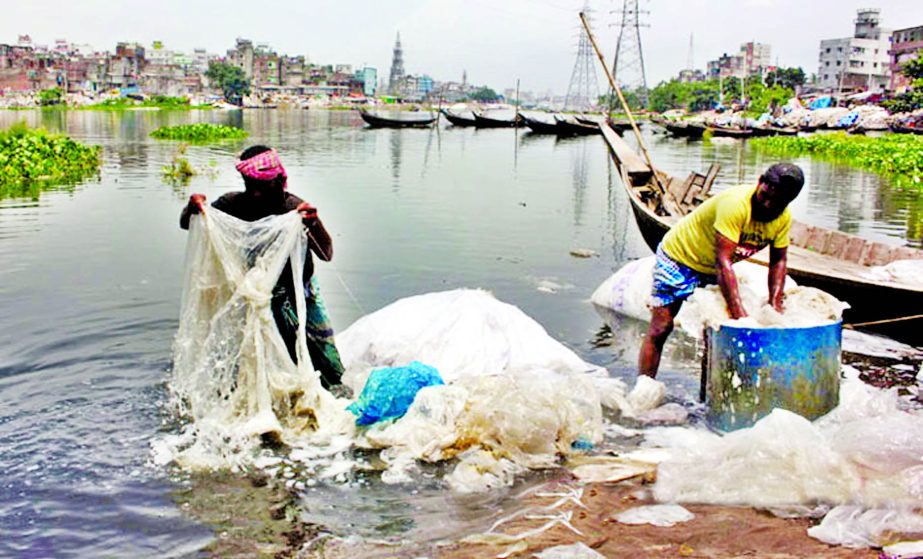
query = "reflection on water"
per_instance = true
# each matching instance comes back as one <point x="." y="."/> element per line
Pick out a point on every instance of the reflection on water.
<point x="89" y="287"/>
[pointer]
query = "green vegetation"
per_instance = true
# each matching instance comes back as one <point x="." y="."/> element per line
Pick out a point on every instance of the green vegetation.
<point x="913" y="99"/>
<point x="484" y="95"/>
<point x="785" y="77"/>
<point x="199" y="133"/>
<point x="231" y="79"/>
<point x="52" y="96"/>
<point x="897" y="155"/>
<point x="179" y="171"/>
<point x="154" y="101"/>
<point x="33" y="159"/>
<point x="701" y="96"/>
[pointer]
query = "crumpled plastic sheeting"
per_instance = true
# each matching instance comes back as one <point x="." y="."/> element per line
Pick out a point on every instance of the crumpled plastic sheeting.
<point x="463" y="332"/>
<point x="577" y="550"/>
<point x="628" y="292"/>
<point x="527" y="420"/>
<point x="900" y="271"/>
<point x="867" y="453"/>
<point x="853" y="526"/>
<point x="655" y="515"/>
<point x="802" y="307"/>
<point x="232" y="374"/>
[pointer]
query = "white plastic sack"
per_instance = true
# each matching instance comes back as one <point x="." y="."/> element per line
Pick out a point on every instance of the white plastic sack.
<point x="464" y="332"/>
<point x="655" y="515"/>
<point x="232" y="373"/>
<point x="628" y="291"/>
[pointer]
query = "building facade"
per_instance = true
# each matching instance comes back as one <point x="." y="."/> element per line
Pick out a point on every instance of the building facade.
<point x="906" y="44"/>
<point x="857" y="63"/>
<point x="753" y="59"/>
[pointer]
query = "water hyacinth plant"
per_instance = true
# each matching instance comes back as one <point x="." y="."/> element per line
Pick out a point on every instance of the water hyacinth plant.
<point x="199" y="133"/>
<point x="898" y="155"/>
<point x="33" y="159"/>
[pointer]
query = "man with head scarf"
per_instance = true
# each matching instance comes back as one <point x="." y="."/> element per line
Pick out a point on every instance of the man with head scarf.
<point x="699" y="250"/>
<point x="265" y="194"/>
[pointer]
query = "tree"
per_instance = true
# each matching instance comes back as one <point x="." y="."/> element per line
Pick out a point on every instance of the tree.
<point x="913" y="99"/>
<point x="53" y="96"/>
<point x="790" y="78"/>
<point x="485" y="95"/>
<point x="230" y="79"/>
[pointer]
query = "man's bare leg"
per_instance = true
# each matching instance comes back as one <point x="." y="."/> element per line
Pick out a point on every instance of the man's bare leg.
<point x="657" y="334"/>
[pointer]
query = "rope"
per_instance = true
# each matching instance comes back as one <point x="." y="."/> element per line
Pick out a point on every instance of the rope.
<point x="339" y="276"/>
<point x="886" y="321"/>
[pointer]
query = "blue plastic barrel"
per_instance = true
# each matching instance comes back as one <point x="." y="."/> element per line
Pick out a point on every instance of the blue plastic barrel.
<point x="750" y="371"/>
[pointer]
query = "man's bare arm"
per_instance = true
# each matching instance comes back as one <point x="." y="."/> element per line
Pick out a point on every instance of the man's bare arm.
<point x="727" y="279"/>
<point x="778" y="261"/>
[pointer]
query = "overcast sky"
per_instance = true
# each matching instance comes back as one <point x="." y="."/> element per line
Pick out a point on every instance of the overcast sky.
<point x="496" y="41"/>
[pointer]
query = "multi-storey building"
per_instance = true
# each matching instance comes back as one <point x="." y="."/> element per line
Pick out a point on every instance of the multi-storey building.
<point x="857" y="63"/>
<point x="906" y="44"/>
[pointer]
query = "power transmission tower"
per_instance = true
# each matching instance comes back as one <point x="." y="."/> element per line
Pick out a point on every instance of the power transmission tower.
<point x="583" y="91"/>
<point x="628" y="65"/>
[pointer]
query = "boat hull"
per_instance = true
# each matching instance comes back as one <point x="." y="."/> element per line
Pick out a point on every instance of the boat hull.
<point x="376" y="121"/>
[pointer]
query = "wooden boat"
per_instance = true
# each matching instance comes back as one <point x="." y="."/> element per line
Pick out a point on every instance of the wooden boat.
<point x="569" y="126"/>
<point x="397" y="119"/>
<point x="540" y="126"/>
<point x="684" y="129"/>
<point x="762" y="131"/>
<point x="459" y="119"/>
<point x="835" y="262"/>
<point x="730" y="132"/>
<point x="898" y="129"/>
<point x="503" y="119"/>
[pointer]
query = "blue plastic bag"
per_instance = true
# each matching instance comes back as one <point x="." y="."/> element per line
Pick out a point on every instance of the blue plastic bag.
<point x="389" y="391"/>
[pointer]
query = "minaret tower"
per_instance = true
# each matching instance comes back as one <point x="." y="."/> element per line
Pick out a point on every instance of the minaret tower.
<point x="397" y="67"/>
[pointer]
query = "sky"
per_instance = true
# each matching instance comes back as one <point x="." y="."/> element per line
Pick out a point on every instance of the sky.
<point x="495" y="41"/>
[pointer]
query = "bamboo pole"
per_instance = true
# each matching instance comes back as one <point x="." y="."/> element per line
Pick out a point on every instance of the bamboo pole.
<point x="618" y="91"/>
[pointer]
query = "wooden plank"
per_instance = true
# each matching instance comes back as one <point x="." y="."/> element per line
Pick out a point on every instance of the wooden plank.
<point x="710" y="177"/>
<point x="906" y="253"/>
<point x="878" y="254"/>
<point x="855" y="250"/>
<point x="836" y="246"/>
<point x="799" y="234"/>
<point x="636" y="168"/>
<point x="817" y="238"/>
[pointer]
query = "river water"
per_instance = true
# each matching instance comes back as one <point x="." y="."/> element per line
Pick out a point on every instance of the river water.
<point x="90" y="278"/>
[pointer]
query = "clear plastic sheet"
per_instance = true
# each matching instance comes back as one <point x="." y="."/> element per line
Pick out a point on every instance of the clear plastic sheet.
<point x="463" y="332"/>
<point x="655" y="515"/>
<point x="866" y="454"/>
<point x="232" y="374"/>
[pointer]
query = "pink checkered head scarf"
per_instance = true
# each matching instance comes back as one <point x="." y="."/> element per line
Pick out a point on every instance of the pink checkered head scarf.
<point x="264" y="166"/>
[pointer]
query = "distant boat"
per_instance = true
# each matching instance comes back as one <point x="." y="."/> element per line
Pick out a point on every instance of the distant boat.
<point x="684" y="129"/>
<point x="397" y="119"/>
<point x="769" y="130"/>
<point x="465" y="118"/>
<point x="570" y="126"/>
<point x="618" y="125"/>
<point x="899" y="129"/>
<point x="502" y="119"/>
<point x="730" y="132"/>
<point x="540" y="126"/>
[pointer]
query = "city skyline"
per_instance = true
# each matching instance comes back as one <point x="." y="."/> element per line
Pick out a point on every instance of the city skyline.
<point x="530" y="40"/>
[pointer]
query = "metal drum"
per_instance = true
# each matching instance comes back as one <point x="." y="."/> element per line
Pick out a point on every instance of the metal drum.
<point x="749" y="371"/>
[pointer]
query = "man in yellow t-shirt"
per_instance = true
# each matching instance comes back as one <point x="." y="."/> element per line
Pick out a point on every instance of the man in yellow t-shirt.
<point x="699" y="250"/>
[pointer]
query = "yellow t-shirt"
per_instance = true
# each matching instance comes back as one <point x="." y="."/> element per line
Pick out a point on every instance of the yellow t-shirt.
<point x="692" y="240"/>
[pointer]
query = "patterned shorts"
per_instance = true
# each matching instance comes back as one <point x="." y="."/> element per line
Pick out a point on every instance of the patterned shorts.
<point x="674" y="281"/>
